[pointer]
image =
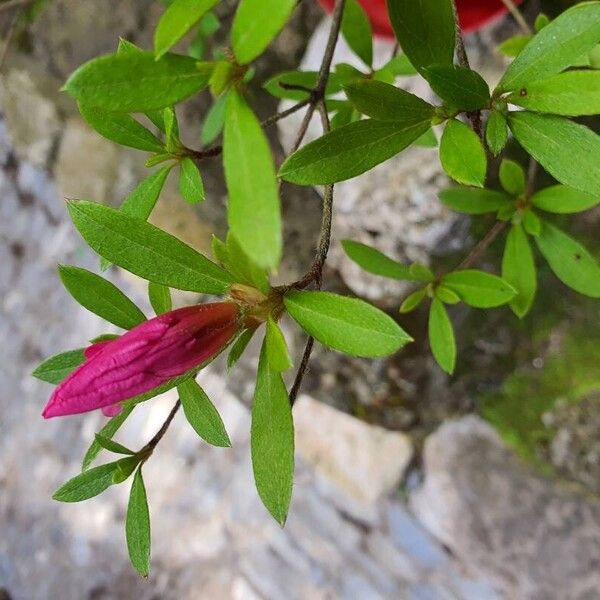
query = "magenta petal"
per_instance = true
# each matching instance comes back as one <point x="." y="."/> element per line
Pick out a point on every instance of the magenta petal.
<point x="145" y="357"/>
<point x="112" y="411"/>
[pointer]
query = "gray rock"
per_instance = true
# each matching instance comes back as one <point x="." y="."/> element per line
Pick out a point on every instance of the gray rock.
<point x="535" y="539"/>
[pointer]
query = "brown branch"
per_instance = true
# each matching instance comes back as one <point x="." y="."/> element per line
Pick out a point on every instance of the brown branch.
<point x="149" y="447"/>
<point x="315" y="274"/>
<point x="518" y="17"/>
<point x="13" y="4"/>
<point x="480" y="249"/>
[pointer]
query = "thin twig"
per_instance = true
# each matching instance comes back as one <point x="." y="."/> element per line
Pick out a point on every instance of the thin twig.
<point x="531" y="176"/>
<point x="161" y="432"/>
<point x="518" y="17"/>
<point x="480" y="249"/>
<point x="315" y="274"/>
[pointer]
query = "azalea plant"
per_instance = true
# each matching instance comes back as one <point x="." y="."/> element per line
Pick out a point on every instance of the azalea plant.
<point x="131" y="96"/>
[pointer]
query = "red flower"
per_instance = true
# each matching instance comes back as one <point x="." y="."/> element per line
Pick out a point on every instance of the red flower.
<point x="145" y="357"/>
<point x="474" y="14"/>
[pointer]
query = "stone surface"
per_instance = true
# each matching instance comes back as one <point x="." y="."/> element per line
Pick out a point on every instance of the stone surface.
<point x="533" y="537"/>
<point x="347" y="452"/>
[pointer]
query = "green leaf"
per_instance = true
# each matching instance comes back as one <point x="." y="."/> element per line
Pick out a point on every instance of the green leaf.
<point x="57" y="367"/>
<point x="474" y="201"/>
<point x="570" y="152"/>
<point x="125" y="467"/>
<point x="137" y="526"/>
<point x="349" y="151"/>
<point x="87" y="484"/>
<point x="425" y="29"/>
<point x="105" y="337"/>
<point x="373" y="261"/>
<point x="100" y="297"/>
<point x="120" y="128"/>
<point x="239" y="346"/>
<point x="562" y="199"/>
<point x="532" y="223"/>
<point x="255" y="25"/>
<point x="171" y="130"/>
<point x="277" y="350"/>
<point x="136" y="82"/>
<point x="386" y="102"/>
<point x="569" y="260"/>
<point x="479" y="289"/>
<point x="514" y="45"/>
<point x="214" y="121"/>
<point x="177" y="21"/>
<point x="190" y="181"/>
<point x="272" y="440"/>
<point x="573" y="93"/>
<point x="556" y="47"/>
<point x="145" y="250"/>
<point x="496" y="132"/>
<point x="243" y="268"/>
<point x="541" y="21"/>
<point x="518" y="269"/>
<point x="202" y="414"/>
<point x="112" y="446"/>
<point x="427" y="140"/>
<point x="143" y="198"/>
<point x="462" y="154"/>
<point x="254" y="212"/>
<point x="399" y="66"/>
<point x="461" y="88"/>
<point x="356" y="29"/>
<point x="348" y="325"/>
<point x="160" y="298"/>
<point x="111" y="427"/>
<point x="446" y="295"/>
<point x="441" y="337"/>
<point x="413" y="301"/>
<point x="512" y="177"/>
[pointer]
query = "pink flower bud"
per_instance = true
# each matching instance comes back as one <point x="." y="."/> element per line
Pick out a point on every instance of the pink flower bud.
<point x="145" y="357"/>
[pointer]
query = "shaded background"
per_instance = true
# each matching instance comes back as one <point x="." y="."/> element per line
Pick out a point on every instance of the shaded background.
<point x="416" y="495"/>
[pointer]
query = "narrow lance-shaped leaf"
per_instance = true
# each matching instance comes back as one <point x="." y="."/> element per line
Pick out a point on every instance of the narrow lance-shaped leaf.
<point x="255" y="25"/>
<point x="518" y="269"/>
<point x="496" y="132"/>
<point x="562" y="199"/>
<point x="480" y="289"/>
<point x="570" y="152"/>
<point x="272" y="440"/>
<point x="357" y="31"/>
<point x="202" y="414"/>
<point x="462" y="154"/>
<point x="349" y="151"/>
<point x="136" y="82"/>
<point x="87" y="484"/>
<point x="145" y="250"/>
<point x="512" y="177"/>
<point x="101" y="297"/>
<point x="112" y="446"/>
<point x="373" y="261"/>
<point x="277" y="350"/>
<point x="56" y="368"/>
<point x="569" y="260"/>
<point x="441" y="337"/>
<point x="137" y="526"/>
<point x="346" y="324"/>
<point x="557" y="46"/>
<point x="386" y="102"/>
<point x="474" y="201"/>
<point x="160" y="298"/>
<point x="121" y="128"/>
<point x="254" y="213"/>
<point x="107" y="432"/>
<point x="177" y="21"/>
<point x="425" y="29"/>
<point x="573" y="93"/>
<point x="239" y="346"/>
<point x="190" y="181"/>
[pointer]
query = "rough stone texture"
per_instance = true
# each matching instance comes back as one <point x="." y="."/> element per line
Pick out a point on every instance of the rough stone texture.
<point x="535" y="538"/>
